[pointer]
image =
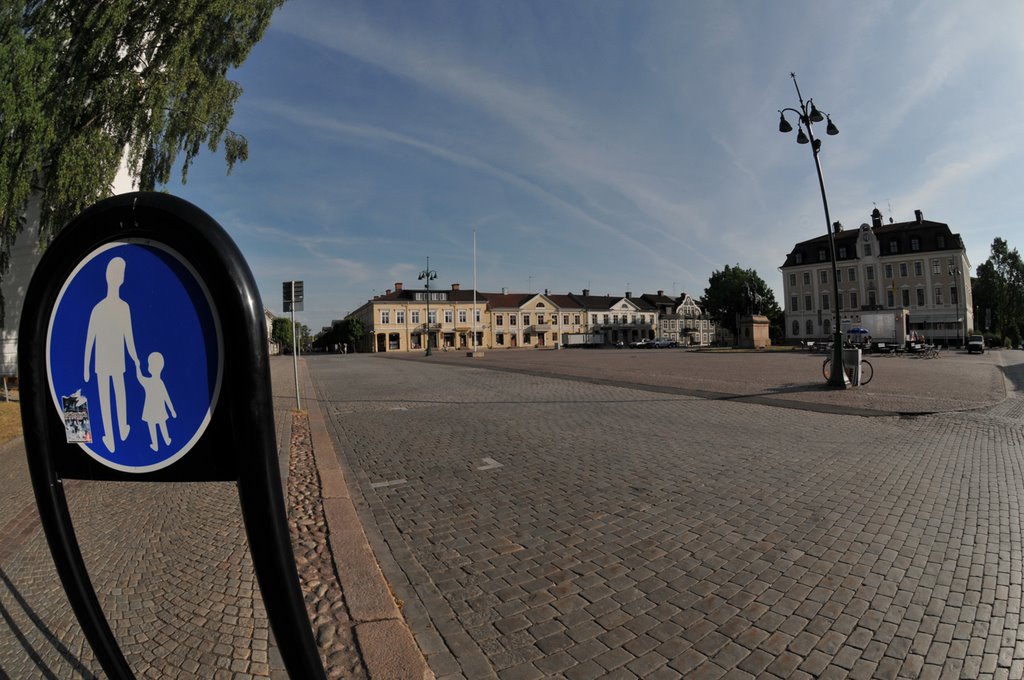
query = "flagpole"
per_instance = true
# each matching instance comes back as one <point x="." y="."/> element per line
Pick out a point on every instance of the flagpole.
<point x="474" y="293"/>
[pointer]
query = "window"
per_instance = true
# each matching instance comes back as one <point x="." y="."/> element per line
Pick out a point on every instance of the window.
<point x="867" y="249"/>
<point x="615" y="319"/>
<point x="593" y="319"/>
<point x="888" y="271"/>
<point x="894" y="246"/>
<point x="526" y="319"/>
<point x="807" y="278"/>
<point x="540" y="318"/>
<point x="918" y="268"/>
<point x="822" y="255"/>
<point x="920" y="297"/>
<point x="499" y="338"/>
<point x="903" y="269"/>
<point x="565" y="320"/>
<point x="842" y="252"/>
<point x="449" y="316"/>
<point x="576" y="319"/>
<point x="853" y="299"/>
<point x="463" y="316"/>
<point x="385" y="316"/>
<point x="807" y="303"/>
<point x="792" y="279"/>
<point x="394" y="341"/>
<point x="839" y="275"/>
<point x="851" y="274"/>
<point x="938" y="295"/>
<point x="796" y="327"/>
<point x="936" y="267"/>
<point x="824" y="301"/>
<point x="794" y="303"/>
<point x="606" y="322"/>
<point x="872" y="300"/>
<point x="414" y="316"/>
<point x="823" y="276"/>
<point x="906" y="297"/>
<point x="940" y="241"/>
<point x="870" y="271"/>
<point x="890" y="297"/>
<point x="513" y="319"/>
<point x="499" y="320"/>
<point x="798" y="258"/>
<point x="826" y="327"/>
<point x="432" y="316"/>
<point x="476" y="313"/>
<point x="400" y="316"/>
<point x="915" y="244"/>
<point x="810" y="327"/>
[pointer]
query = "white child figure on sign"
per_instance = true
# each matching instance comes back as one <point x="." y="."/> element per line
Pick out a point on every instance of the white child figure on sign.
<point x="158" y="402"/>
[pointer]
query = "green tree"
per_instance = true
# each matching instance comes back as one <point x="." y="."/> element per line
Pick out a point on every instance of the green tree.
<point x="725" y="299"/>
<point x="350" y="330"/>
<point x="83" y="84"/>
<point x="281" y="332"/>
<point x="998" y="292"/>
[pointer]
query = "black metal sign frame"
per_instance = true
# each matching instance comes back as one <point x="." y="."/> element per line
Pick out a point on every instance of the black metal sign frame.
<point x="238" y="443"/>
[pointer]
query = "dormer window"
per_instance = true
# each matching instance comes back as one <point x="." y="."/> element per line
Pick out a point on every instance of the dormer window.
<point x="940" y="241"/>
<point x="915" y="244"/>
<point x="894" y="246"/>
<point x="798" y="258"/>
<point x="842" y="252"/>
<point x="821" y="255"/>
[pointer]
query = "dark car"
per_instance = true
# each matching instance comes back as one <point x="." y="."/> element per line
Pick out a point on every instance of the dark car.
<point x="975" y="343"/>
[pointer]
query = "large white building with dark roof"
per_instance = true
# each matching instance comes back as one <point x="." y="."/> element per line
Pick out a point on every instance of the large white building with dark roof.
<point x="918" y="266"/>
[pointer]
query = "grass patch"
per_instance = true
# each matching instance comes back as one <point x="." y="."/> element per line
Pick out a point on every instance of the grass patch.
<point x="10" y="420"/>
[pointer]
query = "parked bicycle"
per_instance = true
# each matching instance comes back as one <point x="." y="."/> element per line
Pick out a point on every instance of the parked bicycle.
<point x="867" y="371"/>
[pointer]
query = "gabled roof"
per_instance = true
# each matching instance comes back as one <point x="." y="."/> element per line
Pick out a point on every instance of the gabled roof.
<point x="566" y="301"/>
<point x="932" y="236"/>
<point x="508" y="300"/>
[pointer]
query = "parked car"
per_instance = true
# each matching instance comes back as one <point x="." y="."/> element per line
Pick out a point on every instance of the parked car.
<point x="640" y="344"/>
<point x="663" y="343"/>
<point x="975" y="343"/>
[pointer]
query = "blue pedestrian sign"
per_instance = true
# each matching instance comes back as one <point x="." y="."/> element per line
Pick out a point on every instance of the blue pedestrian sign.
<point x="134" y="355"/>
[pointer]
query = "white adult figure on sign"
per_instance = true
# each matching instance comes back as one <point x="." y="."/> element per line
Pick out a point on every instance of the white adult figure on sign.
<point x="110" y="333"/>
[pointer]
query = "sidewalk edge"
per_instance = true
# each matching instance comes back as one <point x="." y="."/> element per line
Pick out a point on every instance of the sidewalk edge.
<point x="385" y="641"/>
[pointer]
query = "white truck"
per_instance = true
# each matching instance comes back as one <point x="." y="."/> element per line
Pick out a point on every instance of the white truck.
<point x="582" y="339"/>
<point x="888" y="326"/>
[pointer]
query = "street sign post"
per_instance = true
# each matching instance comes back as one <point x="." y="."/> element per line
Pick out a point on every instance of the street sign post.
<point x="293" y="298"/>
<point x="125" y="376"/>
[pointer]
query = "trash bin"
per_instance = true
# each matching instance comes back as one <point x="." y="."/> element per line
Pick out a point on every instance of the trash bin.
<point x="851" y="364"/>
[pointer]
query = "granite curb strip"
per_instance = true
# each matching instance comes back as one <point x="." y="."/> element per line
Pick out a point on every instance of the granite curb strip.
<point x="385" y="641"/>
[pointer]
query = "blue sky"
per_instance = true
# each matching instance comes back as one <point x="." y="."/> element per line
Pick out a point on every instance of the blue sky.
<point x="606" y="145"/>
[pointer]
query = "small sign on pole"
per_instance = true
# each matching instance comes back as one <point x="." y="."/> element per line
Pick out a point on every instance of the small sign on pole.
<point x="293" y="294"/>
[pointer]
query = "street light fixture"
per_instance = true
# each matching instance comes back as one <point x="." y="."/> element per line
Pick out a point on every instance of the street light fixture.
<point x="428" y="275"/>
<point x="956" y="273"/>
<point x="807" y="115"/>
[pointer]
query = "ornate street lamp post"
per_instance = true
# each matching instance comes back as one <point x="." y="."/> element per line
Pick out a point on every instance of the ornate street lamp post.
<point x="956" y="273"/>
<point x="807" y="115"/>
<point x="428" y="275"/>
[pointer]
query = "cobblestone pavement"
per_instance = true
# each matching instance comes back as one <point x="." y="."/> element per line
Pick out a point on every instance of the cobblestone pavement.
<point x="171" y="567"/>
<point x="549" y="527"/>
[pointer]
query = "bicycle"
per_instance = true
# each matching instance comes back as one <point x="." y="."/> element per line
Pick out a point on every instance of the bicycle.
<point x="867" y="371"/>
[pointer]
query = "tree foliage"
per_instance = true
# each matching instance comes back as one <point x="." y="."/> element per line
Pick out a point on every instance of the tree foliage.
<point x="83" y="84"/>
<point x="725" y="299"/>
<point x="281" y="332"/>
<point x="998" y="293"/>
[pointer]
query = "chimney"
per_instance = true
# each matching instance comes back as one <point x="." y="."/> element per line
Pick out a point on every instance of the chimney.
<point x="586" y="292"/>
<point x="504" y="290"/>
<point x="387" y="292"/>
<point x="455" y="286"/>
<point x="876" y="218"/>
<point x="546" y="291"/>
<point x="837" y="226"/>
<point x="398" y="286"/>
<point x="628" y="294"/>
<point x="660" y="293"/>
<point x="918" y="216"/>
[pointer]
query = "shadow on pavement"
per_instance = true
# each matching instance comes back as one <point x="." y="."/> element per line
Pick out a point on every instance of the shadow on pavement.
<point x="30" y="651"/>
